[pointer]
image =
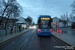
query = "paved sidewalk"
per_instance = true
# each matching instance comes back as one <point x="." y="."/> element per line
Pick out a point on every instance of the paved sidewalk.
<point x="65" y="37"/>
<point x="10" y="36"/>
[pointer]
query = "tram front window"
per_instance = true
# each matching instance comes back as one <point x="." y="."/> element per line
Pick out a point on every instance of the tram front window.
<point x="45" y="25"/>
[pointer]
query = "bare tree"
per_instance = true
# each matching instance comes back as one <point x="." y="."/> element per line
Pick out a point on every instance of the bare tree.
<point x="11" y="7"/>
<point x="67" y="18"/>
<point x="73" y="11"/>
<point x="29" y="19"/>
<point x="63" y="19"/>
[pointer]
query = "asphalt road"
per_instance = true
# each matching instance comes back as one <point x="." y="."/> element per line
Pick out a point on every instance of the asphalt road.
<point x="31" y="41"/>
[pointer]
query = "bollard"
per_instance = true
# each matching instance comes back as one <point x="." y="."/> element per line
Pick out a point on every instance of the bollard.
<point x="60" y="30"/>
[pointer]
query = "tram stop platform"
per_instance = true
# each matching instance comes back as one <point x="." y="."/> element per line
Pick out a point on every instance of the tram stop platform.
<point x="69" y="39"/>
<point x="10" y="36"/>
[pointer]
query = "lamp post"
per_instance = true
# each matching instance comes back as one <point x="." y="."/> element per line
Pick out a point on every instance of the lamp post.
<point x="56" y="25"/>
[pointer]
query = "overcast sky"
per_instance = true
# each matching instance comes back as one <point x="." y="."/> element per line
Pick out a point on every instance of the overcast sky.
<point x="34" y="8"/>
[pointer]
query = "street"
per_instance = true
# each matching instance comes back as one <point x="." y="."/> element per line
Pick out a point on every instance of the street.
<point x="37" y="25"/>
<point x="30" y="41"/>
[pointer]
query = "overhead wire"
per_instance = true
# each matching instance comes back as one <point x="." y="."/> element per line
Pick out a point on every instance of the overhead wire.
<point x="28" y="6"/>
<point x="43" y="7"/>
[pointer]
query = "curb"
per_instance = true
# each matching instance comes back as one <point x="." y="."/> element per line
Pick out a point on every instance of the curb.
<point x="63" y="41"/>
<point x="14" y="37"/>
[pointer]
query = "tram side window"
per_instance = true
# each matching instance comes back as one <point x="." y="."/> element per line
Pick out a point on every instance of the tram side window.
<point x="39" y="23"/>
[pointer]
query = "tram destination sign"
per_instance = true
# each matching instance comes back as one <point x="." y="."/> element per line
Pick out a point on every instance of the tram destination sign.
<point x="45" y="18"/>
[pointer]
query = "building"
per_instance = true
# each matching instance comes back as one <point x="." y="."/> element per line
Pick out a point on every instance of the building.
<point x="56" y="23"/>
<point x="21" y="21"/>
<point x="8" y="22"/>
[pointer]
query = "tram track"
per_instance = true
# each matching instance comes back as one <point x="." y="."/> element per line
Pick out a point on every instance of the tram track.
<point x="56" y="41"/>
<point x="31" y="40"/>
<point x="26" y="41"/>
<point x="5" y="44"/>
<point x="42" y="45"/>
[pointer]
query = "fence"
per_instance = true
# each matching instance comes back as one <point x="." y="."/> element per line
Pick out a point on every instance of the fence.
<point x="15" y="30"/>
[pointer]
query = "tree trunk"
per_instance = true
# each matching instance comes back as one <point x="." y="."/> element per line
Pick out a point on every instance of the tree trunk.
<point x="6" y="25"/>
<point x="0" y="23"/>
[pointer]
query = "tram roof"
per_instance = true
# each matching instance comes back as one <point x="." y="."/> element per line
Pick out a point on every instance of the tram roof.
<point x="44" y="16"/>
